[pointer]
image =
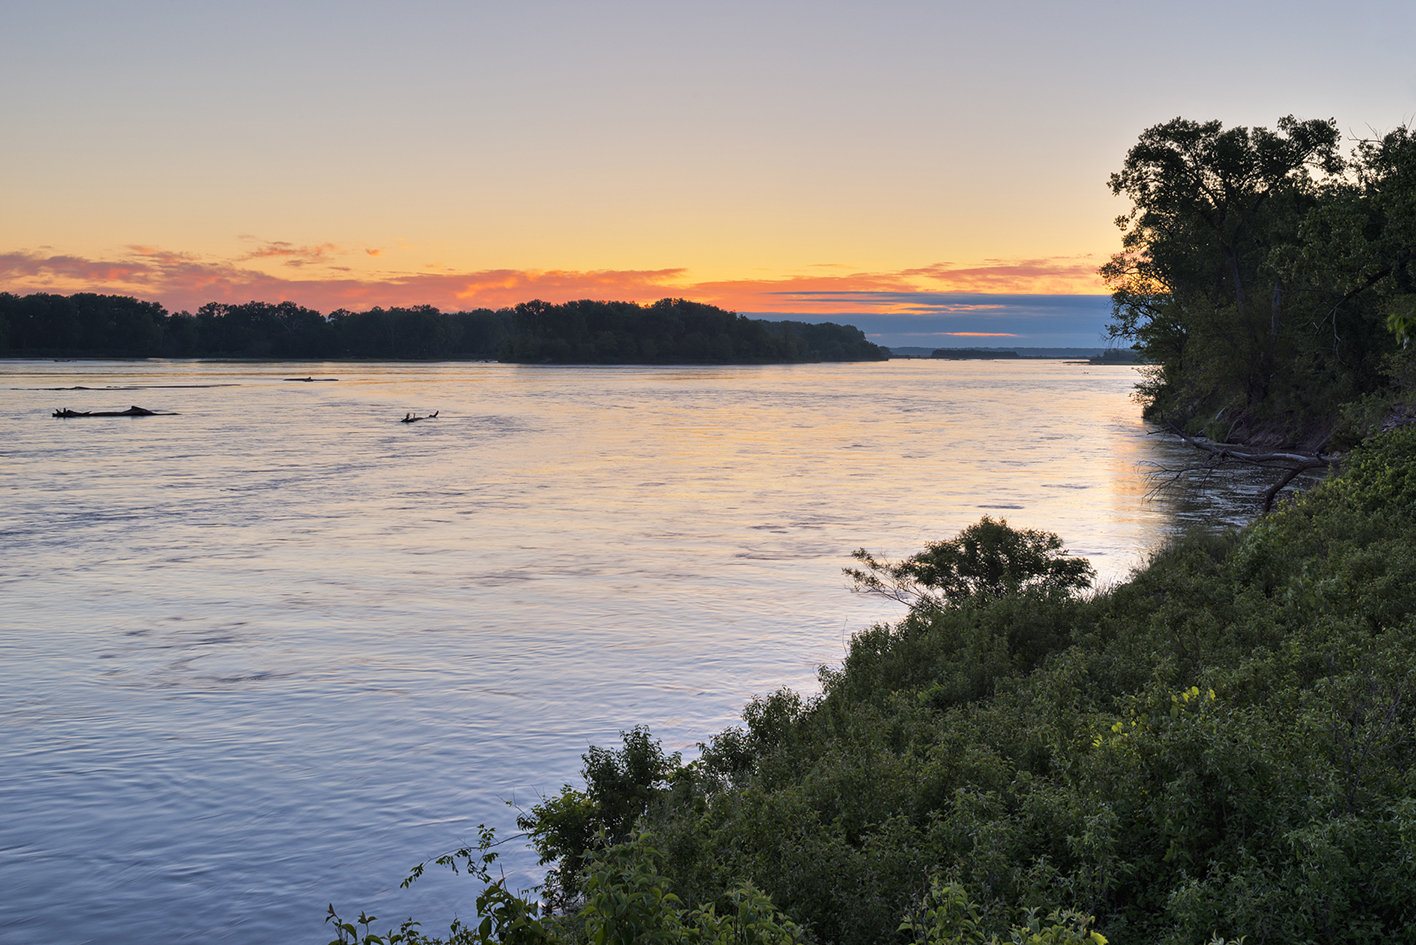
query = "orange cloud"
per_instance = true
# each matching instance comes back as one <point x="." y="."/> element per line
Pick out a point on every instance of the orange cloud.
<point x="187" y="281"/>
<point x="1049" y="276"/>
<point x="291" y="254"/>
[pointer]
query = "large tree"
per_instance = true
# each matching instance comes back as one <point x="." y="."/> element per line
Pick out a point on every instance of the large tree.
<point x="1358" y="247"/>
<point x="1195" y="285"/>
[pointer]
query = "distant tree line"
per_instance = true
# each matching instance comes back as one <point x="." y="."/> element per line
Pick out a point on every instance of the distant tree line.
<point x="674" y="331"/>
<point x="670" y="331"/>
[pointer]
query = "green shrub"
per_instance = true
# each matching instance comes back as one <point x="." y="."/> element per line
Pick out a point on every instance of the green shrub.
<point x="1219" y="748"/>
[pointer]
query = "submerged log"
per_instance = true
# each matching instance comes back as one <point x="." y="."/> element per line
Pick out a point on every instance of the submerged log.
<point x="1291" y="464"/>
<point x="414" y="418"/>
<point x="130" y="412"/>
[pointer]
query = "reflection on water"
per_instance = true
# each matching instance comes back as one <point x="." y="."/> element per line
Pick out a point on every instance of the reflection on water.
<point x="272" y="651"/>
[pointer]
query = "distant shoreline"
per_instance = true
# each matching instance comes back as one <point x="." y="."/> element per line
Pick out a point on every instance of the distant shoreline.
<point x="1112" y="355"/>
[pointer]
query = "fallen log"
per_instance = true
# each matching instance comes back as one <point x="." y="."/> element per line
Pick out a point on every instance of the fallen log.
<point x="135" y="411"/>
<point x="1292" y="464"/>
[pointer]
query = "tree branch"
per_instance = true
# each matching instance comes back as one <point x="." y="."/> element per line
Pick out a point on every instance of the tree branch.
<point x="1293" y="464"/>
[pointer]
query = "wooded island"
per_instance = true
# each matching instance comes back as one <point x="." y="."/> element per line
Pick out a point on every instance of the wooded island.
<point x="670" y="331"/>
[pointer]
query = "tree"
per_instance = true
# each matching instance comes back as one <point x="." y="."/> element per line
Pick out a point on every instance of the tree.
<point x="1361" y="240"/>
<point x="619" y="786"/>
<point x="986" y="561"/>
<point x="1194" y="286"/>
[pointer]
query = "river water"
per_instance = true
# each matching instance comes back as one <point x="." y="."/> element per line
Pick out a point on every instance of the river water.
<point x="269" y="652"/>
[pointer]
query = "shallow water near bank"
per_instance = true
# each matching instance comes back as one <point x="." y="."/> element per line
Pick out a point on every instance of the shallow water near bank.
<point x="272" y="651"/>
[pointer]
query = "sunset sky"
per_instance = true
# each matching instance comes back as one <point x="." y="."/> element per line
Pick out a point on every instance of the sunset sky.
<point x="932" y="172"/>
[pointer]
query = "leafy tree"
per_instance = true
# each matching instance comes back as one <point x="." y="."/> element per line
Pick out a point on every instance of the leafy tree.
<point x="619" y="787"/>
<point x="1195" y="285"/>
<point x="1357" y="259"/>
<point x="986" y="561"/>
<point x="1360" y="242"/>
<point x="107" y="325"/>
<point x="670" y="331"/>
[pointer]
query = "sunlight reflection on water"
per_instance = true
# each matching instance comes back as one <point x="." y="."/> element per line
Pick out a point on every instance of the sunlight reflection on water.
<point x="273" y="651"/>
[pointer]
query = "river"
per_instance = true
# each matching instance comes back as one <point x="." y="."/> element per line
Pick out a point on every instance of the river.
<point x="271" y="651"/>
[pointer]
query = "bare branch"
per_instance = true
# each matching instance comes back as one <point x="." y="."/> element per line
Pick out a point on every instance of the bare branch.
<point x="1292" y="464"/>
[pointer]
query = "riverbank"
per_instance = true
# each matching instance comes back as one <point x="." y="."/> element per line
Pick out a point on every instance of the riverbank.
<point x="1218" y="747"/>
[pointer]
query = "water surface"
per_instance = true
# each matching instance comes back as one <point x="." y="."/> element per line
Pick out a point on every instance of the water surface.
<point x="271" y="651"/>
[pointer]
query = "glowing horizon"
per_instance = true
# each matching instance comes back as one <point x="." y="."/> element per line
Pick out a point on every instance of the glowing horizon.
<point x="827" y="163"/>
<point x="185" y="281"/>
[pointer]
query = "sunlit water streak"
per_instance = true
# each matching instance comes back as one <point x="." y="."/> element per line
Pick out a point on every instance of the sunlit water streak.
<point x="272" y="651"/>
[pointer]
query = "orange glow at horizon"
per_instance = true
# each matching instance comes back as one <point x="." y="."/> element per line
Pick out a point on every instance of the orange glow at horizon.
<point x="317" y="276"/>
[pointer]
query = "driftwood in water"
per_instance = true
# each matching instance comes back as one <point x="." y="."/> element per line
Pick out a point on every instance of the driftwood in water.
<point x="311" y="380"/>
<point x="1292" y="464"/>
<point x="130" y="412"/>
<point x="414" y="418"/>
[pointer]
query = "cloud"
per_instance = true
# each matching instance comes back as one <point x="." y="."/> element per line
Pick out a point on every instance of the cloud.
<point x="1055" y="275"/>
<point x="934" y="289"/>
<point x="187" y="281"/>
<point x="290" y="254"/>
<point x="963" y="319"/>
<point x="21" y="269"/>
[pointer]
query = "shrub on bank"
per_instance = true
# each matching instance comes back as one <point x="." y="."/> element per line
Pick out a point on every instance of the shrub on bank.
<point x="1220" y="747"/>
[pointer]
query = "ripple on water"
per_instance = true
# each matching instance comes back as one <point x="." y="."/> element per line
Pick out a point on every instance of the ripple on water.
<point x="275" y="650"/>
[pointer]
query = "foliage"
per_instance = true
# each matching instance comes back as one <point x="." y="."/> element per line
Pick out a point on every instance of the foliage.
<point x="987" y="560"/>
<point x="115" y="325"/>
<point x="619" y="786"/>
<point x="503" y="916"/>
<point x="90" y="325"/>
<point x="1361" y="239"/>
<point x="671" y="331"/>
<point x="947" y="916"/>
<point x="627" y="902"/>
<point x="1262" y="273"/>
<point x="1221" y="747"/>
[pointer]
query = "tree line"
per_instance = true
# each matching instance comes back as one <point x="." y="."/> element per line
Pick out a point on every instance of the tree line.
<point x="1269" y="277"/>
<point x="674" y="331"/>
<point x="668" y="331"/>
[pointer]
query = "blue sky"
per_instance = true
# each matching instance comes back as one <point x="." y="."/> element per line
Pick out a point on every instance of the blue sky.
<point x="969" y="320"/>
